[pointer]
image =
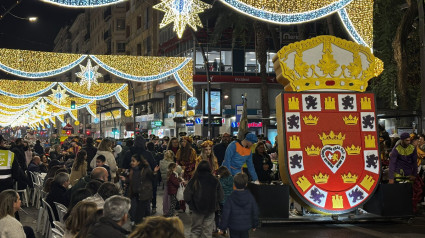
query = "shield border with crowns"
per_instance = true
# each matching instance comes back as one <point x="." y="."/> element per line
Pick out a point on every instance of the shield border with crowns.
<point x="331" y="150"/>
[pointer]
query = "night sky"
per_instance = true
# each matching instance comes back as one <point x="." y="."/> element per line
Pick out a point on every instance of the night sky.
<point x="21" y="34"/>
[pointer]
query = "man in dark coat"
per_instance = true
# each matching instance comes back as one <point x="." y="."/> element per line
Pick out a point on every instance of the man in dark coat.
<point x="19" y="150"/>
<point x="203" y="194"/>
<point x="58" y="193"/>
<point x="115" y="215"/>
<point x="220" y="149"/>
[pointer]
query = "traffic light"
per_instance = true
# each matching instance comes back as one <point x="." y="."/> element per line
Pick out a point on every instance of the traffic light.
<point x="88" y="133"/>
<point x="72" y="104"/>
<point x="68" y="132"/>
<point x="115" y="131"/>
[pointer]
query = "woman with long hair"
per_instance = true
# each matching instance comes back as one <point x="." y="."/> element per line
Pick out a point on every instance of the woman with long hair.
<point x="79" y="167"/>
<point x="9" y="226"/>
<point x="140" y="187"/>
<point x="78" y="217"/>
<point x="90" y="221"/>
<point x="186" y="157"/>
<point x="174" y="146"/>
<point x="159" y="227"/>
<point x="203" y="194"/>
<point x="105" y="149"/>
<point x="207" y="154"/>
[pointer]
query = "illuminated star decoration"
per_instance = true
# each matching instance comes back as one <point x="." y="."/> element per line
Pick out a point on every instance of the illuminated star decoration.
<point x="58" y="95"/>
<point x="89" y="74"/>
<point x="182" y="13"/>
<point x="41" y="106"/>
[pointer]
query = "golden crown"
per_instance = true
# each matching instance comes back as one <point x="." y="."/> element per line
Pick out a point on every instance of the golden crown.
<point x="332" y="138"/>
<point x="294" y="142"/>
<point x="321" y="178"/>
<point x="330" y="103"/>
<point x="350" y="120"/>
<point x="349" y="178"/>
<point x="353" y="150"/>
<point x="337" y="201"/>
<point x="365" y="103"/>
<point x="293" y="103"/>
<point x="297" y="70"/>
<point x="312" y="151"/>
<point x="369" y="141"/>
<point x="310" y="120"/>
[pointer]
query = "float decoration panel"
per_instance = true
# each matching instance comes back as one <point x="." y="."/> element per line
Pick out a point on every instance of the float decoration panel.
<point x="331" y="149"/>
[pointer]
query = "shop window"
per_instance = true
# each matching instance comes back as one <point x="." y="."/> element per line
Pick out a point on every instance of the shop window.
<point x="251" y="64"/>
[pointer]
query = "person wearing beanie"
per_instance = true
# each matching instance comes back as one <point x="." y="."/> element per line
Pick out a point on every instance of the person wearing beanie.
<point x="403" y="160"/>
<point x="238" y="153"/>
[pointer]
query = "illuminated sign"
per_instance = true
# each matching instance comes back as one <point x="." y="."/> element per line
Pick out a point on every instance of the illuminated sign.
<point x="250" y="124"/>
<point x="215" y="102"/>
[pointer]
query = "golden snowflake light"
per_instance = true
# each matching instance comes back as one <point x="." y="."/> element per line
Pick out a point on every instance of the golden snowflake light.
<point x="58" y="95"/>
<point x="89" y="75"/>
<point x="182" y="13"/>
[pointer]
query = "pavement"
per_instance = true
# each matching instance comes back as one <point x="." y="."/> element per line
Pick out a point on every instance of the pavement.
<point x="301" y="227"/>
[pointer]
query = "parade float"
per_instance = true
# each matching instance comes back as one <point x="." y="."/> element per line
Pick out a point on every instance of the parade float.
<point x="327" y="137"/>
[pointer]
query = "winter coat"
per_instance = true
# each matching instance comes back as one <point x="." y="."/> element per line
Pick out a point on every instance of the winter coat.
<point x="220" y="151"/>
<point x="163" y="168"/>
<point x="110" y="161"/>
<point x="240" y="212"/>
<point x="227" y="185"/>
<point x="173" y="184"/>
<point x="205" y="196"/>
<point x="141" y="183"/>
<point x="58" y="194"/>
<point x="38" y="149"/>
<point x="259" y="161"/>
<point x="106" y="228"/>
<point x="11" y="228"/>
<point x="144" y="154"/>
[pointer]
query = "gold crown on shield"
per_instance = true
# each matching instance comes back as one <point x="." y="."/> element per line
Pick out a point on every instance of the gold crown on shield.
<point x="326" y="62"/>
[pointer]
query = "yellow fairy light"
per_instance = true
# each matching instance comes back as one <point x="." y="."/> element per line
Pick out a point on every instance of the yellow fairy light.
<point x="182" y="13"/>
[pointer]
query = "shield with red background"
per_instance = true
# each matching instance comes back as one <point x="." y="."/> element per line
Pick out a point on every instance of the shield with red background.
<point x="331" y="148"/>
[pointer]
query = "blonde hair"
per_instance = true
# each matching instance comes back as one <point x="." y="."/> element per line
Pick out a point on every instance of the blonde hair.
<point x="78" y="216"/>
<point x="169" y="155"/>
<point x="8" y="198"/>
<point x="158" y="227"/>
<point x="105" y="145"/>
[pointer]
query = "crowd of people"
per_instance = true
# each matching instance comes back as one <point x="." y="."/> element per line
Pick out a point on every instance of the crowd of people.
<point x="106" y="184"/>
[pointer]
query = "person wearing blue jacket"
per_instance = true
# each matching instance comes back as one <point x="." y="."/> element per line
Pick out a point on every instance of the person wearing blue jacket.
<point x="238" y="153"/>
<point x="240" y="211"/>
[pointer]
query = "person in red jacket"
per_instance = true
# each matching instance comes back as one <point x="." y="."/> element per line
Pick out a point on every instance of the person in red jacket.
<point x="173" y="184"/>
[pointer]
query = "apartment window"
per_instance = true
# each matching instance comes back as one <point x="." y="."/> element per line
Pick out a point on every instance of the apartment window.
<point x="251" y="65"/>
<point x="148" y="46"/>
<point x="120" y="24"/>
<point x="139" y="49"/>
<point x="120" y="47"/>
<point x="139" y="22"/>
<point x="147" y="18"/>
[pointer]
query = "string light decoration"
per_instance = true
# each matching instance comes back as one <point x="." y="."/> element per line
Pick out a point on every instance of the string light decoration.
<point x="356" y="15"/>
<point x="83" y="3"/>
<point x="89" y="74"/>
<point x="35" y="64"/>
<point x="17" y="108"/>
<point x="58" y="95"/>
<point x="192" y="102"/>
<point x="182" y="13"/>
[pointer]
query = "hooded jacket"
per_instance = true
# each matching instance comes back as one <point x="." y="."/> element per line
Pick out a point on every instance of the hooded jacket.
<point x="240" y="212"/>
